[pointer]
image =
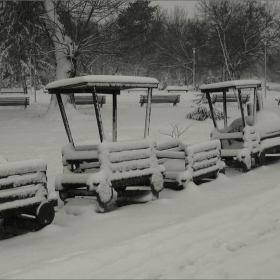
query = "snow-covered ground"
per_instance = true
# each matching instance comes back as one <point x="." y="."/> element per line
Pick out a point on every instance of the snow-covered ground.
<point x="227" y="228"/>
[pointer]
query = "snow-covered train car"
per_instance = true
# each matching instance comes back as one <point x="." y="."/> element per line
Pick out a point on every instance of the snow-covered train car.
<point x="185" y="163"/>
<point x="97" y="170"/>
<point x="24" y="198"/>
<point x="251" y="137"/>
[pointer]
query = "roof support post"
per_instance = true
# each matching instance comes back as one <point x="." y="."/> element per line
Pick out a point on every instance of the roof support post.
<point x="98" y="115"/>
<point x="254" y="106"/>
<point x="114" y="133"/>
<point x="225" y="108"/>
<point x="241" y="108"/>
<point x="64" y="118"/>
<point x="211" y="109"/>
<point x="148" y="113"/>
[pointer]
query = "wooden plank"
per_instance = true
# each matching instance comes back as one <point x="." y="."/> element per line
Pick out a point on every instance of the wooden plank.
<point x="19" y="181"/>
<point x="19" y="193"/>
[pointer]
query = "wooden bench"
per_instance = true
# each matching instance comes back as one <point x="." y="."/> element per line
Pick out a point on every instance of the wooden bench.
<point x="87" y="99"/>
<point x="230" y="98"/>
<point x="124" y="164"/>
<point x="23" y="191"/>
<point x="14" y="101"/>
<point x="11" y="90"/>
<point x="177" y="88"/>
<point x="145" y="90"/>
<point x="161" y="99"/>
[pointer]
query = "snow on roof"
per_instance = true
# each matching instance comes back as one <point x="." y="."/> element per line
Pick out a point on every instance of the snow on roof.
<point x="231" y="84"/>
<point x="103" y="82"/>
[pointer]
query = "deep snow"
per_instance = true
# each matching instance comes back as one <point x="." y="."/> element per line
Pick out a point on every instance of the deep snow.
<point x="226" y="228"/>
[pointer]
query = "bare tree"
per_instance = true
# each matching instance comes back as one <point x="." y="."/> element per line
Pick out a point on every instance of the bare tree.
<point x="240" y="28"/>
<point x="77" y="28"/>
<point x="180" y="37"/>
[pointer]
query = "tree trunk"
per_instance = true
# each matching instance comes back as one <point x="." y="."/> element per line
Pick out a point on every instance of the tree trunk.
<point x="23" y="82"/>
<point x="64" y="50"/>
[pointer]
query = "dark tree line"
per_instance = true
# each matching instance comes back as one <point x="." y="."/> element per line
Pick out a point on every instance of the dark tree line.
<point x="225" y="40"/>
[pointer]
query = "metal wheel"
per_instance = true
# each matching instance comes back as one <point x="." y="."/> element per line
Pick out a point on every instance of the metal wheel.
<point x="45" y="214"/>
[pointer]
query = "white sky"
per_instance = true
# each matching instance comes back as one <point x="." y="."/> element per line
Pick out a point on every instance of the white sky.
<point x="170" y="4"/>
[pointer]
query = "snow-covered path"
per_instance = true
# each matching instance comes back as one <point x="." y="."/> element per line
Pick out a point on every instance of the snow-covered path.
<point x="227" y="228"/>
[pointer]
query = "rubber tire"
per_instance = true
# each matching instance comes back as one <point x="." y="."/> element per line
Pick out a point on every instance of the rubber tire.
<point x="45" y="214"/>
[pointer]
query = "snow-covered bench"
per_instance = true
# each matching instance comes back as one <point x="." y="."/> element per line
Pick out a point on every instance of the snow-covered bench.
<point x="23" y="190"/>
<point x="14" y="101"/>
<point x="218" y="97"/>
<point x="87" y="99"/>
<point x="98" y="169"/>
<point x="11" y="90"/>
<point x="161" y="99"/>
<point x="177" y="88"/>
<point x="185" y="163"/>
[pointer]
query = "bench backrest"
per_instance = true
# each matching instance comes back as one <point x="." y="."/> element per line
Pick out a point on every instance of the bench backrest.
<point x="14" y="101"/>
<point x="230" y="98"/>
<point x="87" y="99"/>
<point x="123" y="157"/>
<point x="120" y="158"/>
<point x="177" y="88"/>
<point x="161" y="98"/>
<point x="200" y="159"/>
<point x="11" y="90"/>
<point x="21" y="183"/>
<point x="80" y="159"/>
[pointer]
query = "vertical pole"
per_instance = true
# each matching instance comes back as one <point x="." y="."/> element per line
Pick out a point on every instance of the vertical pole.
<point x="211" y="109"/>
<point x="265" y="43"/>
<point x="254" y="106"/>
<point x="98" y="115"/>
<point x="241" y="107"/>
<point x="194" y="69"/>
<point x="115" y="116"/>
<point x="225" y="108"/>
<point x="148" y="113"/>
<point x="34" y="77"/>
<point x="64" y="118"/>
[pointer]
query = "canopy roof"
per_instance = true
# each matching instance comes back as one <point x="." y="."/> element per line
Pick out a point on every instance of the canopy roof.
<point x="102" y="83"/>
<point x="238" y="84"/>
